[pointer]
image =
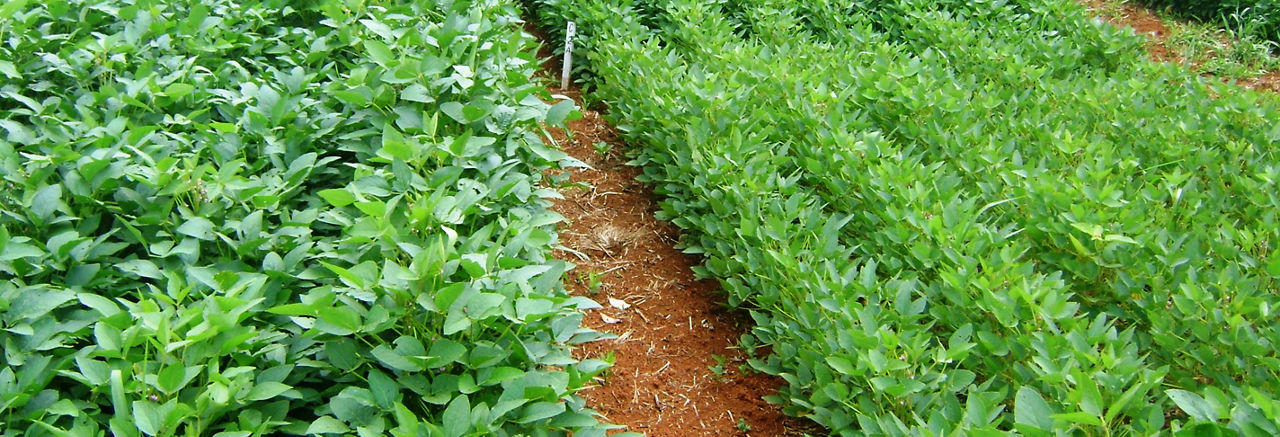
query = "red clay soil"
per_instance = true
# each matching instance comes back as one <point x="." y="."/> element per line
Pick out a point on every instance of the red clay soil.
<point x="1145" y="22"/>
<point x="671" y="327"/>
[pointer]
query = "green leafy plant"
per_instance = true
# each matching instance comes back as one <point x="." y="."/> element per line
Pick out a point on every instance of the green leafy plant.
<point x="262" y="217"/>
<point x="593" y="280"/>
<point x="602" y="148"/>
<point x="959" y="217"/>
<point x="718" y="369"/>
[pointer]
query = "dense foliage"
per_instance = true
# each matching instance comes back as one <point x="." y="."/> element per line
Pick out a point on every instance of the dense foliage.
<point x="264" y="217"/>
<point x="945" y="216"/>
<point x="1256" y="17"/>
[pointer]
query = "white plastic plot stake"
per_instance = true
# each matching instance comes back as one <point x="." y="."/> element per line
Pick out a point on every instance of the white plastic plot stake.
<point x="568" y="56"/>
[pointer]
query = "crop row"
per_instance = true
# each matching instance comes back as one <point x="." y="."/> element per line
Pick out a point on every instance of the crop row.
<point x="960" y="216"/>
<point x="263" y="217"/>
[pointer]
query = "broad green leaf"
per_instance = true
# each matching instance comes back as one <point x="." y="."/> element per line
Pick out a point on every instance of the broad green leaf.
<point x="417" y="93"/>
<point x="393" y="360"/>
<point x="46" y="201"/>
<point x="385" y="390"/>
<point x="444" y="352"/>
<point x="148" y="417"/>
<point x="96" y="372"/>
<point x="394" y="143"/>
<point x="841" y="365"/>
<point x="345" y="318"/>
<point x="457" y="417"/>
<point x="1093" y="230"/>
<point x="267" y="390"/>
<point x="293" y="309"/>
<point x="378" y="28"/>
<point x="171" y="379"/>
<point x="327" y="425"/>
<point x="540" y="411"/>
<point x="445" y="297"/>
<point x="378" y="51"/>
<point x="100" y="304"/>
<point x="374" y="208"/>
<point x="107" y="337"/>
<point x="33" y="303"/>
<point x="563" y="111"/>
<point x="1119" y="405"/>
<point x="1119" y="238"/>
<point x="353" y="97"/>
<point x="17" y="132"/>
<point x="1078" y="417"/>
<point x="456" y="321"/>
<point x="347" y="276"/>
<point x="223" y="127"/>
<point x="454" y="111"/>
<point x="141" y="267"/>
<point x="178" y="90"/>
<point x="351" y="410"/>
<point x="474" y="113"/>
<point x="11" y="7"/>
<point x="8" y="69"/>
<point x="1273" y="267"/>
<point x="1192" y="404"/>
<point x="342" y="353"/>
<point x="526" y="307"/>
<point x="197" y="227"/>
<point x="117" y="392"/>
<point x="337" y="197"/>
<point x="1030" y="409"/>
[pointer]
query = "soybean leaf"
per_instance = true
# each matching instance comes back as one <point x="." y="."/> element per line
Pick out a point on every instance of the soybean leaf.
<point x="36" y="302"/>
<point x="378" y="51"/>
<point x="1192" y="404"/>
<point x="391" y="359"/>
<point x="46" y="201"/>
<point x="563" y="111"/>
<point x="457" y="416"/>
<point x="841" y="365"/>
<point x="11" y="7"/>
<point x="454" y="111"/>
<point x="337" y="197"/>
<point x="148" y="417"/>
<point x="385" y="390"/>
<point x="417" y="93"/>
<point x="344" y="318"/>
<point x="267" y="390"/>
<point x="1030" y="409"/>
<point x="327" y="425"/>
<point x="198" y="227"/>
<point x="8" y="69"/>
<point x="1273" y="267"/>
<point x="541" y="410"/>
<point x="342" y="353"/>
<point x="178" y="90"/>
<point x="171" y="379"/>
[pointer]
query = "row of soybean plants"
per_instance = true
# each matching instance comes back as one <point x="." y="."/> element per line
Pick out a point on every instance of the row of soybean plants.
<point x="268" y="217"/>
<point x="975" y="217"/>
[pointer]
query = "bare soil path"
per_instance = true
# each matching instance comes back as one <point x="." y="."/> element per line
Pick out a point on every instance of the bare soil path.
<point x="676" y="371"/>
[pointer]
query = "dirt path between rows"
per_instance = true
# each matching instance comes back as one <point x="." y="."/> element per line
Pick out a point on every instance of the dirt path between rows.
<point x="1145" y="22"/>
<point x="676" y="371"/>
